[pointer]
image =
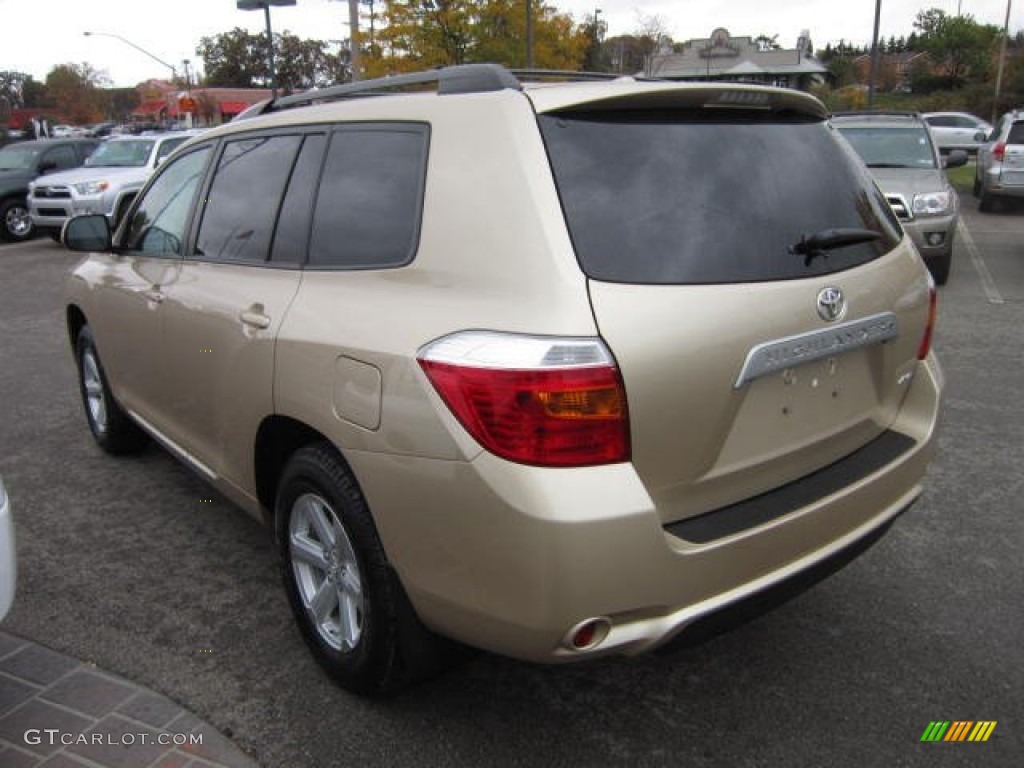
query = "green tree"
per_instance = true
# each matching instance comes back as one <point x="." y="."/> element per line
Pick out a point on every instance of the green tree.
<point x="960" y="48"/>
<point x="234" y="59"/>
<point x="12" y="88"/>
<point x="75" y="89"/>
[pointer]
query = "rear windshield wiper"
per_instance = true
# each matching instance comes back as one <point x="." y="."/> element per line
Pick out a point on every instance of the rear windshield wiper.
<point x="826" y="240"/>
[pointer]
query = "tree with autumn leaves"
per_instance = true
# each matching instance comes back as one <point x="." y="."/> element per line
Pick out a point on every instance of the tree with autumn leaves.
<point x="420" y="34"/>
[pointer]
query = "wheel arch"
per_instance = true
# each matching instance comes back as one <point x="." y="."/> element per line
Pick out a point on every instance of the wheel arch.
<point x="76" y="321"/>
<point x="277" y="439"/>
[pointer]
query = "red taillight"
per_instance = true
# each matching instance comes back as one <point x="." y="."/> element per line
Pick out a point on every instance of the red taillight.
<point x="999" y="150"/>
<point x="926" y="340"/>
<point x="554" y="411"/>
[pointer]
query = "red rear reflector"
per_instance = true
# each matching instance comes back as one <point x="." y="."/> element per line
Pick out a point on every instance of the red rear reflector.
<point x="926" y="340"/>
<point x="999" y="150"/>
<point x="533" y="400"/>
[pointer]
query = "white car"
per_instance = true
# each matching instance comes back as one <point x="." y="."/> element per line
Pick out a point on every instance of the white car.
<point x="8" y="563"/>
<point x="956" y="130"/>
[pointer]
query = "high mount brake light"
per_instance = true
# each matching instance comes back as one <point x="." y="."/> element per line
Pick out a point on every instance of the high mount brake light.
<point x="549" y="402"/>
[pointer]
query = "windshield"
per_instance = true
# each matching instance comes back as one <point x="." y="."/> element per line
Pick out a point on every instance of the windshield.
<point x="124" y="154"/>
<point x="18" y="158"/>
<point x="891" y="147"/>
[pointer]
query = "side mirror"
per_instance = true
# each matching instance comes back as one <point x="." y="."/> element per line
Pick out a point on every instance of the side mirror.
<point x="980" y="136"/>
<point x="88" y="233"/>
<point x="955" y="159"/>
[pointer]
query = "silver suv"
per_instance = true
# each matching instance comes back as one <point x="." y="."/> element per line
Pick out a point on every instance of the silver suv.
<point x="555" y="370"/>
<point x="1000" y="169"/>
<point x="898" y="148"/>
<point x="107" y="183"/>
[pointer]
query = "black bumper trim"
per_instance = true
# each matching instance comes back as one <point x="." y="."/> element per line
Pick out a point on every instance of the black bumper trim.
<point x="762" y="509"/>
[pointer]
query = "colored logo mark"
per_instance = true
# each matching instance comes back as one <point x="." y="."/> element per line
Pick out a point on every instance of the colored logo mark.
<point x="958" y="730"/>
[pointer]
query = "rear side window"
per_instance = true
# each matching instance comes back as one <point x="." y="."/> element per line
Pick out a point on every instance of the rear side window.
<point x="697" y="198"/>
<point x="368" y="210"/>
<point x="241" y="206"/>
<point x="1016" y="135"/>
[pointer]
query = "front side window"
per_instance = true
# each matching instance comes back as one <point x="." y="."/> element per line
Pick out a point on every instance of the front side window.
<point x="368" y="211"/>
<point x="158" y="224"/>
<point x="241" y="207"/>
<point x="61" y="157"/>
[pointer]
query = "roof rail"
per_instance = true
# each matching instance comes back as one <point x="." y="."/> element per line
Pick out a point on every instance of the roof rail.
<point x="463" y="78"/>
<point x="877" y="113"/>
<point x="562" y="74"/>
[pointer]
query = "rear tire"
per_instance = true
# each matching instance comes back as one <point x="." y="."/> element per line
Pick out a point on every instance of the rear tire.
<point x="349" y="604"/>
<point x="986" y="201"/>
<point x="111" y="427"/>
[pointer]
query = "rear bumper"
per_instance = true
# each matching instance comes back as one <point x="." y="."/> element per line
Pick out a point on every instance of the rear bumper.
<point x="511" y="558"/>
<point x="995" y="183"/>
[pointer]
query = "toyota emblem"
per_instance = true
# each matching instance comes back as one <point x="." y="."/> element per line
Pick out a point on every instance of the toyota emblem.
<point x="831" y="304"/>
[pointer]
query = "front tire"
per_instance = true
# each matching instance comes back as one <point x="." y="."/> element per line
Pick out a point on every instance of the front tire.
<point x="111" y="427"/>
<point x="15" y="221"/>
<point x="940" y="267"/>
<point x="348" y="602"/>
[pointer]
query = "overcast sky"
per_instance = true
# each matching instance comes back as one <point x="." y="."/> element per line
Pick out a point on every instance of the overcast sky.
<point x="36" y="35"/>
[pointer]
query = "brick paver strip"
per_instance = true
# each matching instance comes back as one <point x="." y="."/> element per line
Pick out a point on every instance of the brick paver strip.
<point x="38" y="665"/>
<point x="14" y="758"/>
<point x="9" y="644"/>
<point x="216" y="748"/>
<point x="172" y="760"/>
<point x="40" y="715"/>
<point x="63" y="760"/>
<point x="14" y="692"/>
<point x="150" y="708"/>
<point x="89" y="693"/>
<point x="112" y="752"/>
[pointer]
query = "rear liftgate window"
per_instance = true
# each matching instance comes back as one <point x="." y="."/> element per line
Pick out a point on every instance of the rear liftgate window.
<point x="695" y="198"/>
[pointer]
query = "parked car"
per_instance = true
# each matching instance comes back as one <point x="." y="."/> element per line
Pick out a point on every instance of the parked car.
<point x="898" y="149"/>
<point x="540" y="369"/>
<point x="956" y="130"/>
<point x="1000" y="169"/>
<point x="107" y="183"/>
<point x="21" y="163"/>
<point x="8" y="555"/>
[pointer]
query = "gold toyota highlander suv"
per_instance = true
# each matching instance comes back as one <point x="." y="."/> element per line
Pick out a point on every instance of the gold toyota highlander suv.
<point x="555" y="370"/>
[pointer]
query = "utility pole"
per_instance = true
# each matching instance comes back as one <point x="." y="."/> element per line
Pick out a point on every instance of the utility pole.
<point x="529" y="34"/>
<point x="874" y="55"/>
<point x="1002" y="61"/>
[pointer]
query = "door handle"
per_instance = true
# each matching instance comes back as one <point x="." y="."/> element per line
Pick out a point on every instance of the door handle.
<point x="254" y="317"/>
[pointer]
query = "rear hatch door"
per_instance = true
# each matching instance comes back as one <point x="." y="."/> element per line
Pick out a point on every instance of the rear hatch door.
<point x="756" y="343"/>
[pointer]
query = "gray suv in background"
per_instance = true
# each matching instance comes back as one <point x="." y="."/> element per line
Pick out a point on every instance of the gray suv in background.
<point x="898" y="149"/>
<point x="107" y="183"/>
<point x="1000" y="169"/>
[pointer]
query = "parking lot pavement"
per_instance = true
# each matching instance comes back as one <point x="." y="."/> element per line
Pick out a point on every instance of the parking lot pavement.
<point x="134" y="565"/>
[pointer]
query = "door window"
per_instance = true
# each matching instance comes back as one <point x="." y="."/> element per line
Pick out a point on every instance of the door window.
<point x="158" y="224"/>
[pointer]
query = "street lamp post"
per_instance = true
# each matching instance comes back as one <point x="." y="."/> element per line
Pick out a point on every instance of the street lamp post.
<point x="174" y="71"/>
<point x="264" y="5"/>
